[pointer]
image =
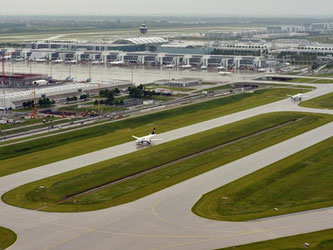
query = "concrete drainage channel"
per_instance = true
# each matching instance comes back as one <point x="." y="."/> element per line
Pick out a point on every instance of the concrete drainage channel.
<point x="129" y="177"/>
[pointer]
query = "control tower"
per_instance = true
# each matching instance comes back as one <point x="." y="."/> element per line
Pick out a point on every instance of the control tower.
<point x="143" y="29"/>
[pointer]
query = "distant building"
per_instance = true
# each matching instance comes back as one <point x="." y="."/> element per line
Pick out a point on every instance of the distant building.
<point x="274" y="29"/>
<point x="180" y="83"/>
<point x="315" y="27"/>
<point x="18" y="79"/>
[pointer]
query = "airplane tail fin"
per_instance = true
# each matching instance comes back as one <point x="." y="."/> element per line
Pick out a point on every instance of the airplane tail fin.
<point x="154" y="131"/>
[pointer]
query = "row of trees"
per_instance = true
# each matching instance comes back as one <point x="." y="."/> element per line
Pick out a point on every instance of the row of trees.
<point x="107" y="102"/>
<point x="109" y="95"/>
<point x="74" y="98"/>
<point x="140" y="92"/>
<point x="42" y="102"/>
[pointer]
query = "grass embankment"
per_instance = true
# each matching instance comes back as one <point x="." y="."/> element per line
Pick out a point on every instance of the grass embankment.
<point x="311" y="80"/>
<point x="226" y="86"/>
<point x="92" y="107"/>
<point x="7" y="237"/>
<point x="55" y="188"/>
<point x="27" y="122"/>
<point x="321" y="102"/>
<point x="18" y="157"/>
<point x="5" y="133"/>
<point x="324" y="75"/>
<point x="155" y="86"/>
<point x="300" y="182"/>
<point x="209" y="83"/>
<point x="322" y="240"/>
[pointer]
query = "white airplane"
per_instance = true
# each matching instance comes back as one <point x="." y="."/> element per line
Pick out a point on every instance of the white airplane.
<point x="297" y="97"/>
<point x="19" y="59"/>
<point x="40" y="60"/>
<point x="116" y="63"/>
<point x="225" y="73"/>
<point x="73" y="61"/>
<point x="58" y="61"/>
<point x="186" y="66"/>
<point x="7" y="57"/>
<point x="96" y="62"/>
<point x="170" y="66"/>
<point x="147" y="138"/>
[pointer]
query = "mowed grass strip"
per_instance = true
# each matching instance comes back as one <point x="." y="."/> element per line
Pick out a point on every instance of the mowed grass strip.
<point x="47" y="193"/>
<point x="26" y="155"/>
<point x="322" y="102"/>
<point x="318" y="240"/>
<point x="300" y="182"/>
<point x="7" y="237"/>
<point x="311" y="80"/>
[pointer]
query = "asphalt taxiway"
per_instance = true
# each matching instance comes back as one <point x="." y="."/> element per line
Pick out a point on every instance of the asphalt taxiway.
<point x="163" y="220"/>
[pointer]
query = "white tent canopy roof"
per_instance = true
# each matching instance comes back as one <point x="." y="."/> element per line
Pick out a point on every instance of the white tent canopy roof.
<point x="141" y="40"/>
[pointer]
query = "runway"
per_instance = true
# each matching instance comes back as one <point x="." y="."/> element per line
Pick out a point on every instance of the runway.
<point x="163" y="220"/>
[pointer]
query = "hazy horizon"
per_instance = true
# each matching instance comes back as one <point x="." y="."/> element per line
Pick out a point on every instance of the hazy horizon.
<point x="236" y="8"/>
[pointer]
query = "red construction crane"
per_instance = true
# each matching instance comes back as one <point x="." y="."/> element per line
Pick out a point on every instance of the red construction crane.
<point x="35" y="103"/>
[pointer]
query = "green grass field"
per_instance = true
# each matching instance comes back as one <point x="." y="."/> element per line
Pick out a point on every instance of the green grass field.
<point x="300" y="80"/>
<point x="321" y="102"/>
<point x="26" y="122"/>
<point x="227" y="86"/>
<point x="300" y="182"/>
<point x="322" y="240"/>
<point x="322" y="81"/>
<point x="7" y="237"/>
<point x="155" y="86"/>
<point x="311" y="80"/>
<point x="37" y="126"/>
<point x="324" y="75"/>
<point x="14" y="158"/>
<point x="67" y="184"/>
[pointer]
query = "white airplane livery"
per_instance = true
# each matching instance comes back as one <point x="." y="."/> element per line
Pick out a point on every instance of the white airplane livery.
<point x="297" y="97"/>
<point x="146" y="139"/>
<point x="225" y="73"/>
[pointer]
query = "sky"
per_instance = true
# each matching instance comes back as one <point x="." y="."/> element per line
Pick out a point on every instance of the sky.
<point x="265" y="8"/>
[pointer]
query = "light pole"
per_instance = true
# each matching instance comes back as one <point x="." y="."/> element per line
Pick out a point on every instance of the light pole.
<point x="70" y="70"/>
<point x="51" y="68"/>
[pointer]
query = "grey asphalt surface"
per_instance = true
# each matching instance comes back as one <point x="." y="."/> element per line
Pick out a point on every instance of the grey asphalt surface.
<point x="163" y="220"/>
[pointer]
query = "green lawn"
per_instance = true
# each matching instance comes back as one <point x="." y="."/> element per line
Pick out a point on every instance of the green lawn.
<point x="304" y="80"/>
<point x="7" y="237"/>
<point x="318" y="240"/>
<point x="42" y="125"/>
<point x="323" y="81"/>
<point x="69" y="183"/>
<point x="13" y="158"/>
<point x="322" y="102"/>
<point x="209" y="83"/>
<point x="311" y="80"/>
<point x="300" y="182"/>
<point x="154" y="86"/>
<point x="227" y="86"/>
<point x="324" y="75"/>
<point x="26" y="122"/>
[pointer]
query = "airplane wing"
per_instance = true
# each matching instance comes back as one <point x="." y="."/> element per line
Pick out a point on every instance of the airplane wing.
<point x="135" y="137"/>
